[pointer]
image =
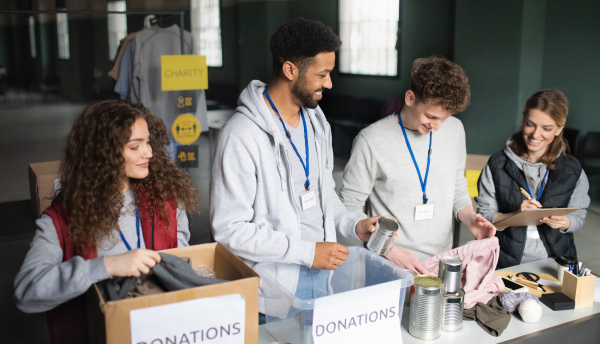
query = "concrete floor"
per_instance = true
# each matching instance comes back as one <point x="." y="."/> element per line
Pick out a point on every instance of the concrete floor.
<point x="35" y="132"/>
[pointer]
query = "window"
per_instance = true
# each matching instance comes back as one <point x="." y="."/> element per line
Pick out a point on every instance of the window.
<point x="117" y="26"/>
<point x="32" y="37"/>
<point x="370" y="33"/>
<point x="62" y="29"/>
<point x="206" y="29"/>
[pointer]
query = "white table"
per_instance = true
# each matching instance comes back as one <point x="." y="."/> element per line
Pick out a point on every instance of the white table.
<point x="580" y="325"/>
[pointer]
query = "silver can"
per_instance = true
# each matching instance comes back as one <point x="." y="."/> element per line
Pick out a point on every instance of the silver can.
<point x="452" y="311"/>
<point x="425" y="317"/>
<point x="450" y="274"/>
<point x="383" y="236"/>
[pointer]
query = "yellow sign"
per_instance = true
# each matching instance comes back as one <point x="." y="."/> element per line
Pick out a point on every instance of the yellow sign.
<point x="472" y="177"/>
<point x="186" y="129"/>
<point x="183" y="72"/>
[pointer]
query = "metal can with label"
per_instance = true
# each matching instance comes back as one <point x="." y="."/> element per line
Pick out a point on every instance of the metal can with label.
<point x="383" y="236"/>
<point x="450" y="273"/>
<point x="425" y="317"/>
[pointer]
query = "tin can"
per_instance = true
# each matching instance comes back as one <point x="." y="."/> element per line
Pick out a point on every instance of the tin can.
<point x="425" y="317"/>
<point x="452" y="311"/>
<point x="383" y="236"/>
<point x="449" y="273"/>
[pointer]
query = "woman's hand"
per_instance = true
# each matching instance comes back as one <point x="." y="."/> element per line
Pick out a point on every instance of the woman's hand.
<point x="561" y="222"/>
<point x="530" y="204"/>
<point x="406" y="260"/>
<point x="131" y="263"/>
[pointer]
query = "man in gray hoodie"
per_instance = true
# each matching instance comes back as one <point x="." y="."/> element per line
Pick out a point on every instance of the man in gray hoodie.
<point x="272" y="192"/>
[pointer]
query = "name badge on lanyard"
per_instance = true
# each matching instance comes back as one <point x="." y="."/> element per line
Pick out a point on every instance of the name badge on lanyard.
<point x="423" y="211"/>
<point x="309" y="200"/>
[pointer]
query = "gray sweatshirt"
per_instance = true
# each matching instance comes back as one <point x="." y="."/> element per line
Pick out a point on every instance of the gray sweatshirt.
<point x="381" y="170"/>
<point x="534" y="172"/>
<point x="45" y="281"/>
<point x="254" y="208"/>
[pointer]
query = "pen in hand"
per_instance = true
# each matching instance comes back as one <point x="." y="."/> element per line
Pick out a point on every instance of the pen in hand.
<point x="525" y="193"/>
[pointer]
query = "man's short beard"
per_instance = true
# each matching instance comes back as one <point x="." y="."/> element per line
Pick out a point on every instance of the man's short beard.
<point x="304" y="96"/>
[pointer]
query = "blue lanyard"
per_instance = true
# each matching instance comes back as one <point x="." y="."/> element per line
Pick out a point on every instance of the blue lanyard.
<point x="541" y="186"/>
<point x="137" y="225"/>
<point x="423" y="184"/>
<point x="289" y="136"/>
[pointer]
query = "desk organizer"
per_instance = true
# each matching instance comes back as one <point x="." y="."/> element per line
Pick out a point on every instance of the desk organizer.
<point x="289" y="318"/>
<point x="580" y="289"/>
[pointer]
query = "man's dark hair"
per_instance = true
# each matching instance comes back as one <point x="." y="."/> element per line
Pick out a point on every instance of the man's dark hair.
<point x="299" y="41"/>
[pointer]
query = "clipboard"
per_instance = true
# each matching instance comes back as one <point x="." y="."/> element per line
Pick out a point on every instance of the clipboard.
<point x="531" y="216"/>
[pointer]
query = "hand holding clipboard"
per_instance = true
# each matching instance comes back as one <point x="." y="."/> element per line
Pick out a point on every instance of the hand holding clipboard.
<point x="528" y="217"/>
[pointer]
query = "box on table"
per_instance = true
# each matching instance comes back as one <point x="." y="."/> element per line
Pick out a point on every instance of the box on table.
<point x="42" y="179"/>
<point x="110" y="322"/>
<point x="286" y="314"/>
<point x="580" y="289"/>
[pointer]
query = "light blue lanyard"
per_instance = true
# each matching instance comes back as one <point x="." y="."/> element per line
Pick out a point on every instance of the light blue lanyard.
<point x="423" y="184"/>
<point x="541" y="186"/>
<point x="289" y="136"/>
<point x="137" y="225"/>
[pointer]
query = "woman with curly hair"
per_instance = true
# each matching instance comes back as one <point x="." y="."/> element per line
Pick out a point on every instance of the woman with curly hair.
<point x="535" y="158"/>
<point x="121" y="199"/>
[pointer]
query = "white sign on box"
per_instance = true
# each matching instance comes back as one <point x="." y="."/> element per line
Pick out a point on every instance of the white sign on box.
<point x="220" y="319"/>
<point x="366" y="315"/>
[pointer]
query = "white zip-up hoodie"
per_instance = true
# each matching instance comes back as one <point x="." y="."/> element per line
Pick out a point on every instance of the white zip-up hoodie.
<point x="252" y="208"/>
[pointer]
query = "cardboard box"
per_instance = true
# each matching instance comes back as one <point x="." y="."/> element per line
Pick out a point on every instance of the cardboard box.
<point x="110" y="321"/>
<point x="42" y="179"/>
<point x="580" y="289"/>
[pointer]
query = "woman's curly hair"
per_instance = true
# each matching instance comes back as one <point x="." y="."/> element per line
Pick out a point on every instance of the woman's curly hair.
<point x="441" y="82"/>
<point x="93" y="170"/>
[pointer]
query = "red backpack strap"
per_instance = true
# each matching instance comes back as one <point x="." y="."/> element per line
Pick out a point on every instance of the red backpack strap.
<point x="153" y="228"/>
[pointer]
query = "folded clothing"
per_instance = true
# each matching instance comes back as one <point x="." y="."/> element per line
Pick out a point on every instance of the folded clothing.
<point x="491" y="316"/>
<point x="172" y="273"/>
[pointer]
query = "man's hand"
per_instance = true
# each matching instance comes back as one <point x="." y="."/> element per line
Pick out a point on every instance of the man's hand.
<point x="329" y="255"/>
<point x="406" y="260"/>
<point x="365" y="227"/>
<point x="131" y="263"/>
<point x="478" y="225"/>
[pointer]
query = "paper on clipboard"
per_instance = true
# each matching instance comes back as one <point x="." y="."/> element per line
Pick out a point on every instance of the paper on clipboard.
<point x="531" y="216"/>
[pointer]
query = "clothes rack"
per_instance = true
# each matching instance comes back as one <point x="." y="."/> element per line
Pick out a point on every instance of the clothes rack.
<point x="180" y="13"/>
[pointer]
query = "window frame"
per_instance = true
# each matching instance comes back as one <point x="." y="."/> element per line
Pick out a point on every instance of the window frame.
<point x="197" y="38"/>
<point x="398" y="50"/>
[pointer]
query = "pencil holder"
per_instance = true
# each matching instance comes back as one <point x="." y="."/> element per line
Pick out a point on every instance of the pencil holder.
<point x="580" y="289"/>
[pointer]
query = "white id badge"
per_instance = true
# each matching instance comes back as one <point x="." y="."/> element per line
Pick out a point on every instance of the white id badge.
<point x="424" y="212"/>
<point x="309" y="200"/>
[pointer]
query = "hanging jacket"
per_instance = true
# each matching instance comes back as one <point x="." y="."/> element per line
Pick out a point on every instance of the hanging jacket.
<point x="508" y="179"/>
<point x="68" y="323"/>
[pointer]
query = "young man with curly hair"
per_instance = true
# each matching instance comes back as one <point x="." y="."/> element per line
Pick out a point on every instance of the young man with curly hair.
<point x="272" y="193"/>
<point x="403" y="168"/>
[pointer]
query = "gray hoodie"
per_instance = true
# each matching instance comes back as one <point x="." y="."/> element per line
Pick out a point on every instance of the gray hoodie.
<point x="252" y="210"/>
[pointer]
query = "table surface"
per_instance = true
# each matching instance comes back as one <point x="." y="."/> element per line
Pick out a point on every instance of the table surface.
<point x="516" y="328"/>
